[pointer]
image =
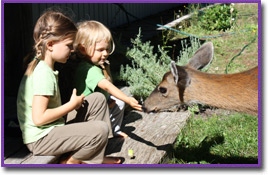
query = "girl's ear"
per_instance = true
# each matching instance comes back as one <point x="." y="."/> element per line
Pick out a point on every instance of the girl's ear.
<point x="82" y="49"/>
<point x="50" y="45"/>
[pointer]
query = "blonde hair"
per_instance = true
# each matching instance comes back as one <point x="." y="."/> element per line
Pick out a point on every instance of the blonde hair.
<point x="51" y="26"/>
<point x="91" y="32"/>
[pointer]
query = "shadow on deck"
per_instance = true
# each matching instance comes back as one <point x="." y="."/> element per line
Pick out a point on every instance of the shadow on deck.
<point x="151" y="136"/>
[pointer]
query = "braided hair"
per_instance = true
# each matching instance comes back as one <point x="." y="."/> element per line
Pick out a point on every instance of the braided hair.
<point x="51" y="26"/>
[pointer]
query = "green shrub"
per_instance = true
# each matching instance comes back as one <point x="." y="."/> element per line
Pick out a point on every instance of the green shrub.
<point x="219" y="17"/>
<point x="147" y="68"/>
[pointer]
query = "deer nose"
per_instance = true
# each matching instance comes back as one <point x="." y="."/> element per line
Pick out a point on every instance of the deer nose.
<point x="144" y="108"/>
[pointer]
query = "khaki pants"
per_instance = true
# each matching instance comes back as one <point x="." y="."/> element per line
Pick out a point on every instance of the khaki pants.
<point x="85" y="135"/>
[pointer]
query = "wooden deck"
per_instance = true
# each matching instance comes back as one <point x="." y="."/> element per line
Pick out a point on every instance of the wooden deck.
<point x="15" y="152"/>
<point x="151" y="136"/>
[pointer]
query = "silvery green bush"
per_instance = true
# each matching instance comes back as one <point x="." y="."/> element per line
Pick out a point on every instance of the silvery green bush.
<point x="147" y="68"/>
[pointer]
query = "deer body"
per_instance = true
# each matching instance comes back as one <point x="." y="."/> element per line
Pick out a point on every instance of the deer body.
<point x="237" y="92"/>
<point x="185" y="84"/>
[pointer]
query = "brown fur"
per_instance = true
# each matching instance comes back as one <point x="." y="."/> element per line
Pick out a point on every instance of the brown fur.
<point x="238" y="92"/>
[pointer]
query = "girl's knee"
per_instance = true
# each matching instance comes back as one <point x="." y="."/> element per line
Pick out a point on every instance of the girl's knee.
<point x="97" y="96"/>
<point x="102" y="129"/>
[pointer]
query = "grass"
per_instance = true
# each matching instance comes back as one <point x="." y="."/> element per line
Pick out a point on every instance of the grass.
<point x="226" y="47"/>
<point x="218" y="140"/>
<point x="221" y="138"/>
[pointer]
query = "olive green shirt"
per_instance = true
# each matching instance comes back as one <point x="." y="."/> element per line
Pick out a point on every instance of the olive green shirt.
<point x="87" y="77"/>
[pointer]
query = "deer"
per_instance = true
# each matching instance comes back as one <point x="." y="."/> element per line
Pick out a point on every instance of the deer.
<point x="187" y="85"/>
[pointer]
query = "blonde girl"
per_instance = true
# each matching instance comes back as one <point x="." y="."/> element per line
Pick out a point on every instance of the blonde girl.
<point x="40" y="112"/>
<point x="93" y="45"/>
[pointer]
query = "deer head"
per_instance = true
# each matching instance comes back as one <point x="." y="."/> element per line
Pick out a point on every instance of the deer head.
<point x="170" y="91"/>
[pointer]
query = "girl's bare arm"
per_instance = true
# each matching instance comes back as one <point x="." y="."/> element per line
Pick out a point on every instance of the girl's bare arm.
<point x="41" y="115"/>
<point x="113" y="90"/>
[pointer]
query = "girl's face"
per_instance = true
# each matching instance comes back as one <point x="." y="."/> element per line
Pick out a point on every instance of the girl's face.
<point x="101" y="53"/>
<point x="61" y="50"/>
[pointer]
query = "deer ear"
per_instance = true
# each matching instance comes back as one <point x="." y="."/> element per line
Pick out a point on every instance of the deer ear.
<point x="202" y="57"/>
<point x="174" y="71"/>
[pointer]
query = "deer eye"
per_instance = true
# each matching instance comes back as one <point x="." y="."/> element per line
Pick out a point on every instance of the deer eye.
<point x="163" y="90"/>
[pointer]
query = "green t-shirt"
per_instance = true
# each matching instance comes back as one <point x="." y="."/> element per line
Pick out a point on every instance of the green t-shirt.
<point x="87" y="77"/>
<point x="43" y="81"/>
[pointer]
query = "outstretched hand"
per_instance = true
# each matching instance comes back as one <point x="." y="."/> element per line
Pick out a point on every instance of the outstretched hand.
<point x="134" y="104"/>
<point x="77" y="100"/>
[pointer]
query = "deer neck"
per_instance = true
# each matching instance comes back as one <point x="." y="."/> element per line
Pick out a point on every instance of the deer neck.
<point x="235" y="91"/>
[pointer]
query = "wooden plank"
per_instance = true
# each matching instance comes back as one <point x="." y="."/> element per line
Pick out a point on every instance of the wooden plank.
<point x="41" y="160"/>
<point x="23" y="156"/>
<point x="18" y="157"/>
<point x="150" y="136"/>
<point x="15" y="152"/>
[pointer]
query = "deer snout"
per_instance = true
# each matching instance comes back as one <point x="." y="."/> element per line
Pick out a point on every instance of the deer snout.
<point x="144" y="109"/>
<point x="148" y="110"/>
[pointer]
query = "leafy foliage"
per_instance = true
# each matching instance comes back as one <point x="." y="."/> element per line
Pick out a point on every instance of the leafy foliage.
<point x="147" y="68"/>
<point x="220" y="17"/>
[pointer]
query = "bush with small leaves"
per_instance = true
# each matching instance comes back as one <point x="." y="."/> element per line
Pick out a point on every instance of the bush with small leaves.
<point x="147" y="68"/>
<point x="219" y="17"/>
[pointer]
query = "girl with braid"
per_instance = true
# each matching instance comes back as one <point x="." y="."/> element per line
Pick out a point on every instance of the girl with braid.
<point x="40" y="113"/>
